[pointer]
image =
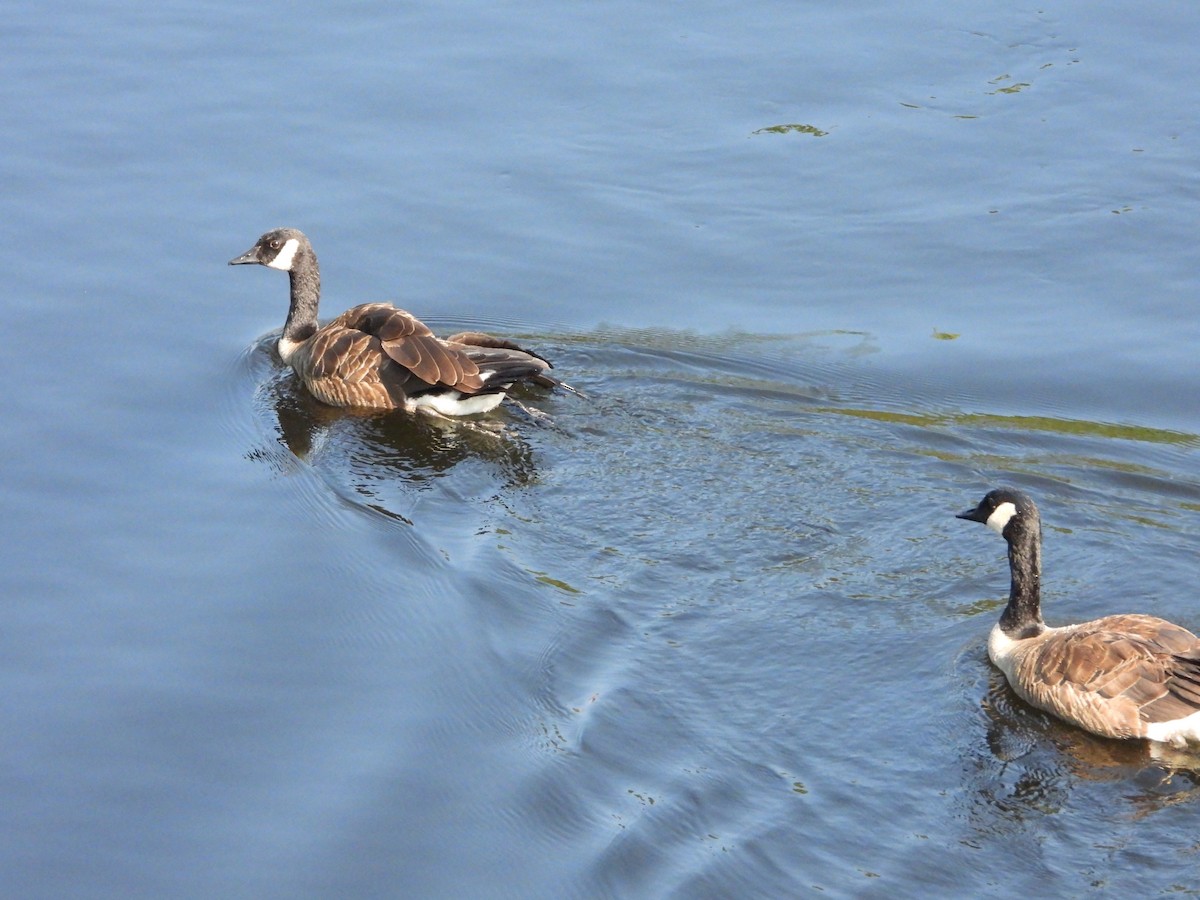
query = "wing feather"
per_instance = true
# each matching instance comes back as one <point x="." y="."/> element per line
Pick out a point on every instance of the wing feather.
<point x="479" y="339"/>
<point x="1115" y="675"/>
<point x="342" y="353"/>
<point x="406" y="340"/>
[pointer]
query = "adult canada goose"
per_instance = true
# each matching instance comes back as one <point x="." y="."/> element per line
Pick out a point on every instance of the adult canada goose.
<point x="381" y="357"/>
<point x="1126" y="676"/>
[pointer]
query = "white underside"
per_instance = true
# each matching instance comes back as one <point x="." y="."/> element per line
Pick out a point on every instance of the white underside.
<point x="449" y="404"/>
<point x="452" y="405"/>
<point x="1179" y="732"/>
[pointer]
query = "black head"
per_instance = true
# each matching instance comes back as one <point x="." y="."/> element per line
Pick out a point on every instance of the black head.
<point x="1001" y="506"/>
<point x="277" y="249"/>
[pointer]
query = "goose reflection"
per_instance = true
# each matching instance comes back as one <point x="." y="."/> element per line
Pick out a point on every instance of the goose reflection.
<point x="1036" y="762"/>
<point x="370" y="453"/>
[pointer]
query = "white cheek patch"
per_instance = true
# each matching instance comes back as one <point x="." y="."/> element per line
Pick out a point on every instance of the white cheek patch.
<point x="283" y="259"/>
<point x="998" y="519"/>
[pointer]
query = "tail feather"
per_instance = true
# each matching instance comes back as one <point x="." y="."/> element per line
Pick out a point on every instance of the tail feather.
<point x="535" y="375"/>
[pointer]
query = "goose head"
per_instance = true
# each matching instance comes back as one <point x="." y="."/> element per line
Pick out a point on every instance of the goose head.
<point x="278" y="249"/>
<point x="999" y="507"/>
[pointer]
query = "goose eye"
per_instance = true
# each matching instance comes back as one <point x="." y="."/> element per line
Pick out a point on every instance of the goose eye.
<point x="276" y="243"/>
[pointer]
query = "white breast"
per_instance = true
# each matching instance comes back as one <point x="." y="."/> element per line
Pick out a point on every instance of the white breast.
<point x="287" y="348"/>
<point x="1000" y="651"/>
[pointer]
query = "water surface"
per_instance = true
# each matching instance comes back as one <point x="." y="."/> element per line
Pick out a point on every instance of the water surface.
<point x="825" y="274"/>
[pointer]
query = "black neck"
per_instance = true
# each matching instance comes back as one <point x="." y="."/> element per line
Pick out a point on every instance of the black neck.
<point x="305" y="276"/>
<point x="1022" y="617"/>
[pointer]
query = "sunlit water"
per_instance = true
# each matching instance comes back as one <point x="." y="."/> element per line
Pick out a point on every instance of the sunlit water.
<point x="824" y="275"/>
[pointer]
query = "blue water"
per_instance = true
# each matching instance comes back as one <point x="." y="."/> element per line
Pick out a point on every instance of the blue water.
<point x="825" y="273"/>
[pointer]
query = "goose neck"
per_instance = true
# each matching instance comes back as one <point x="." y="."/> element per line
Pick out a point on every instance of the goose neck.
<point x="1023" y="616"/>
<point x="305" y="277"/>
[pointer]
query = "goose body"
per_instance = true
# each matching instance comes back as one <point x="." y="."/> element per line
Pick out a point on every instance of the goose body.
<point x="380" y="357"/>
<point x="1122" y="676"/>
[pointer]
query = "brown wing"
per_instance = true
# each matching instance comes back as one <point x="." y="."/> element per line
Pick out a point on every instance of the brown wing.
<point x="1129" y="670"/>
<point x="341" y="366"/>
<point x="406" y="340"/>
<point x="338" y="351"/>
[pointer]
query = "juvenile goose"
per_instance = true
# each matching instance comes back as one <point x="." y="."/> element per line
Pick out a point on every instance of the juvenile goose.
<point x="381" y="357"/>
<point x="1125" y="676"/>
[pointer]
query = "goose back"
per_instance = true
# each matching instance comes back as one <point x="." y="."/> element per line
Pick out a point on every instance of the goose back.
<point x="378" y="356"/>
<point x="1113" y="676"/>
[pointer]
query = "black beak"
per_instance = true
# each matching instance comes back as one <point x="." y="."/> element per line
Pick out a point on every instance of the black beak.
<point x="250" y="256"/>
<point x="972" y="515"/>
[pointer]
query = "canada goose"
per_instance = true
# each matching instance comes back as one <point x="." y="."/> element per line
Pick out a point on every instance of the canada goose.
<point x="1125" y="676"/>
<point x="381" y="357"/>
